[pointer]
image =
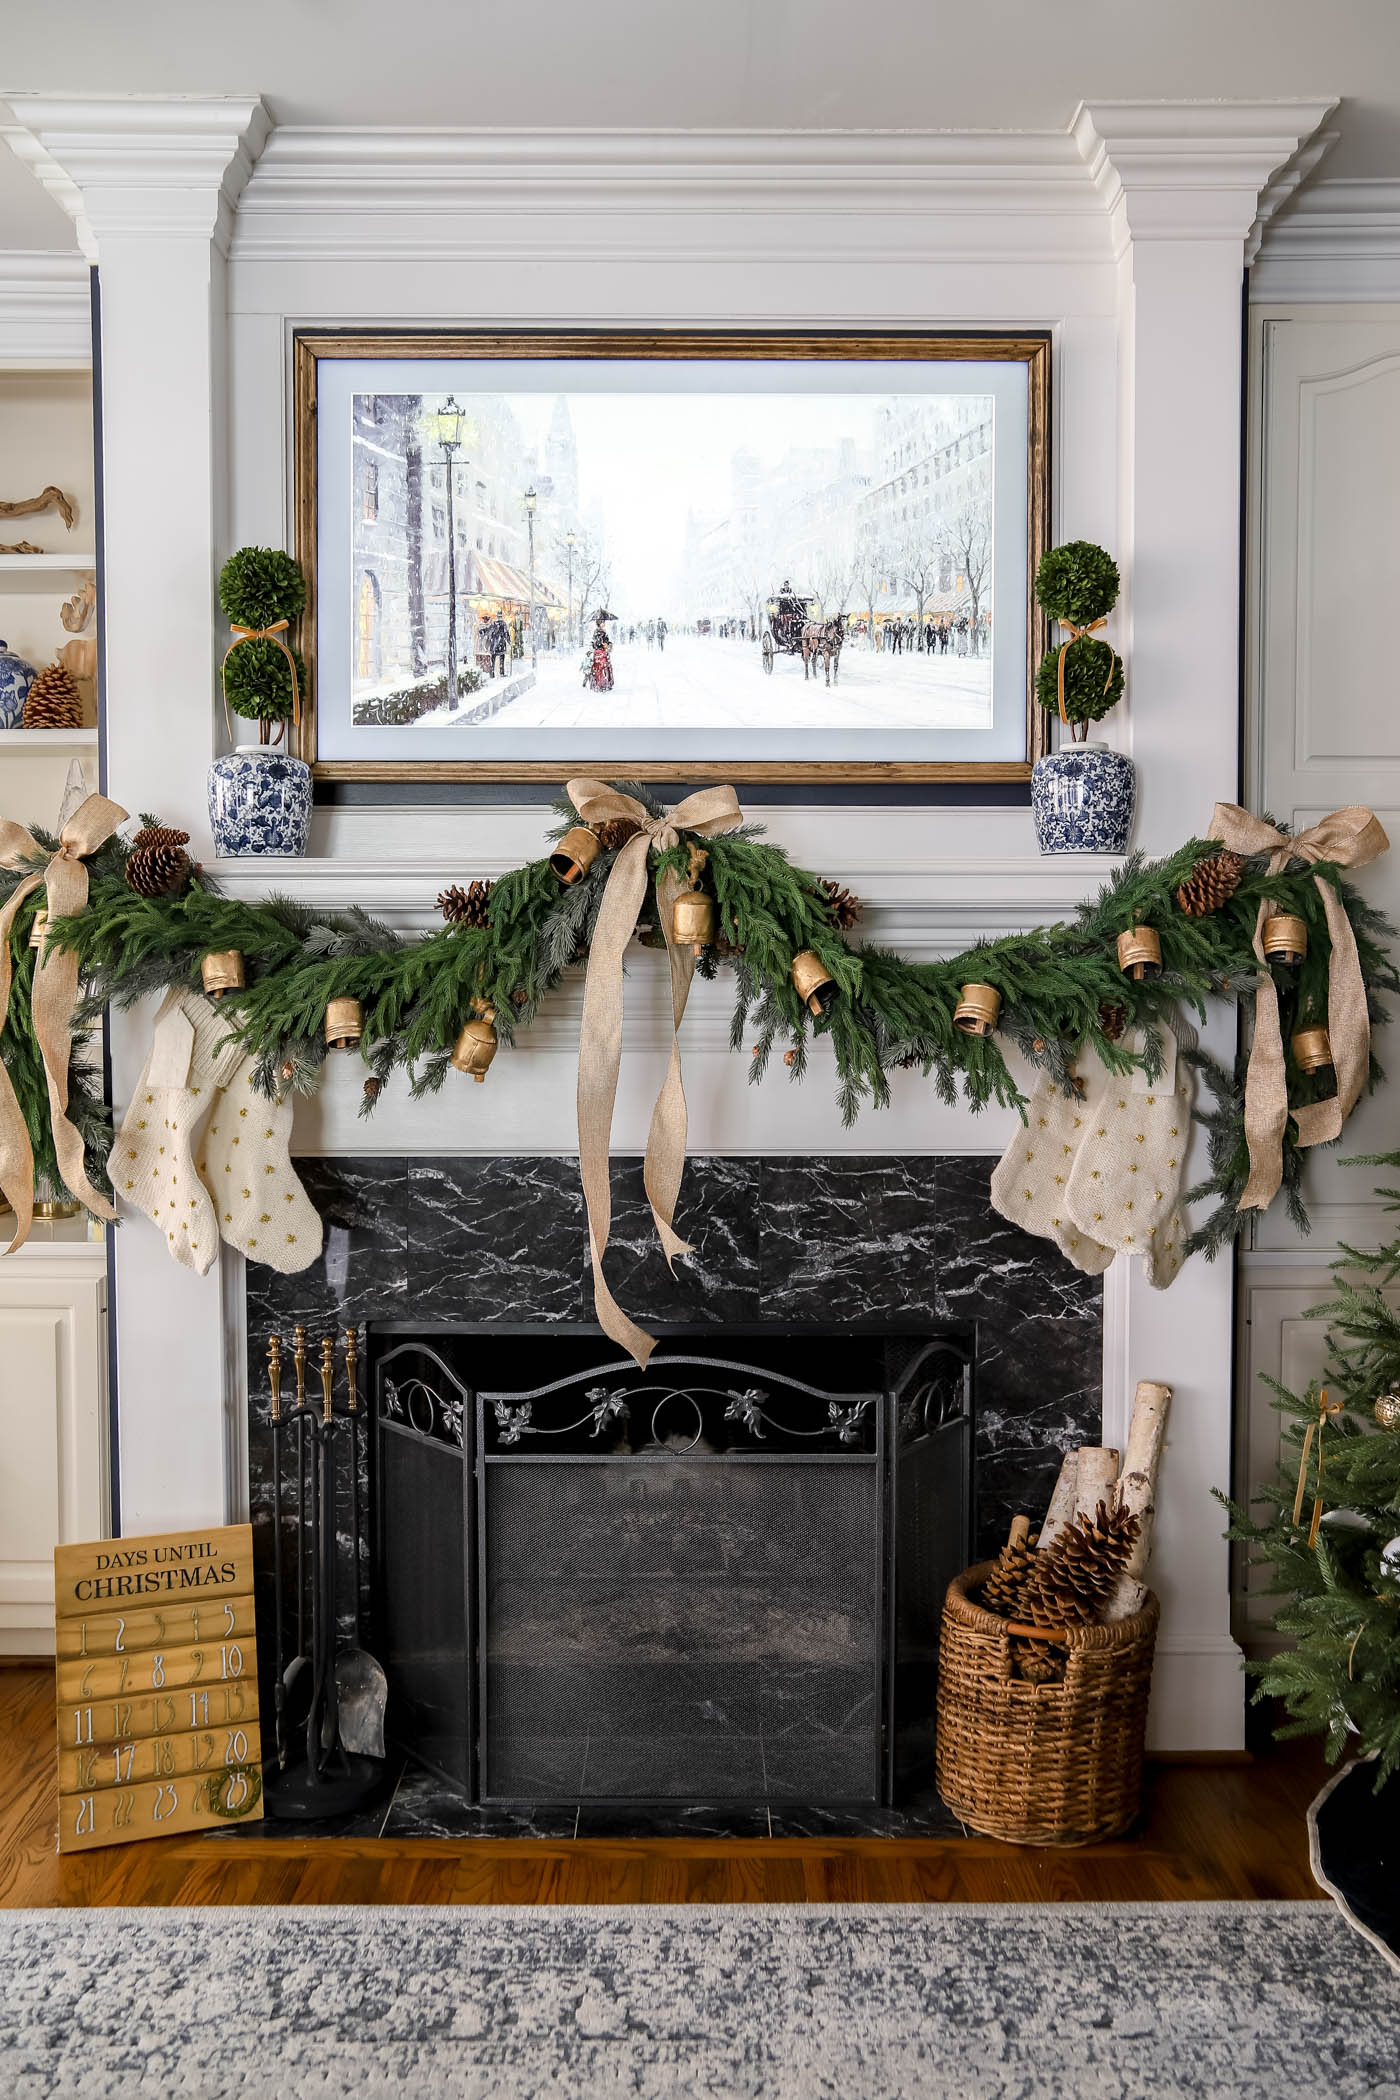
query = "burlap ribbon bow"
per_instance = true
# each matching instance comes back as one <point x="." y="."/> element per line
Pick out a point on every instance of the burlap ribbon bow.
<point x="600" y="1036"/>
<point x="1349" y="837"/>
<point x="55" y="994"/>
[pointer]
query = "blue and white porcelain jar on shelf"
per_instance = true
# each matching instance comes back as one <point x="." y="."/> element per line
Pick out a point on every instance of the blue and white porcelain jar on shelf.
<point x="1083" y="796"/>
<point x="16" y="677"/>
<point x="259" y="802"/>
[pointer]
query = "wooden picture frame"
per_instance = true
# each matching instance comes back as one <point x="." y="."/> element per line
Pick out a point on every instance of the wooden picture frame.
<point x="318" y="353"/>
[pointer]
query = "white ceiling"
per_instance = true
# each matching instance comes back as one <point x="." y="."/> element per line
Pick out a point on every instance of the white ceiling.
<point x="722" y="64"/>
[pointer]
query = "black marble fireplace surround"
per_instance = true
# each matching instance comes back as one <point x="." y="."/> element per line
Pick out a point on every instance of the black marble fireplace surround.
<point x="896" y="1243"/>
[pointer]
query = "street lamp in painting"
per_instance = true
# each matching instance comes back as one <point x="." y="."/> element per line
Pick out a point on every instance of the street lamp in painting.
<point x="531" y="499"/>
<point x="569" y="539"/>
<point x="450" y="422"/>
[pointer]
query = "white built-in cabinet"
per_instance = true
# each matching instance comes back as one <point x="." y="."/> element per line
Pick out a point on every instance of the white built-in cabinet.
<point x="53" y="1425"/>
<point x="1323" y="730"/>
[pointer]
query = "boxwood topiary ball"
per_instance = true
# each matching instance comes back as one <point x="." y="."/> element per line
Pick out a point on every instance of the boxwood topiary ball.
<point x="259" y="586"/>
<point x="258" y="680"/>
<point x="1087" y="673"/>
<point x="1077" y="583"/>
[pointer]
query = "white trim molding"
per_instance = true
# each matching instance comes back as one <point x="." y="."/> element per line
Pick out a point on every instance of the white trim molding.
<point x="45" y="311"/>
<point x="1337" y="242"/>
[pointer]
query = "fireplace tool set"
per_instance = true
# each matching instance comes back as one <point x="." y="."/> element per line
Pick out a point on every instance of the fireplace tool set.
<point x="329" y="1697"/>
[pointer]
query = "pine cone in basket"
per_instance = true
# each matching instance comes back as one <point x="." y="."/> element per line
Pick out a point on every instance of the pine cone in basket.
<point x="1073" y="1580"/>
<point x="53" y="701"/>
<point x="842" y="905"/>
<point x="466" y="907"/>
<point x="1001" y="1592"/>
<point x="1211" y="883"/>
<point x="1036" y="1662"/>
<point x="158" y="865"/>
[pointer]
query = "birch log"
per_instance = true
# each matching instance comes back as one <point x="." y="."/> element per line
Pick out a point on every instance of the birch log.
<point x="1096" y="1480"/>
<point x="1061" y="1509"/>
<point x="1137" y="1491"/>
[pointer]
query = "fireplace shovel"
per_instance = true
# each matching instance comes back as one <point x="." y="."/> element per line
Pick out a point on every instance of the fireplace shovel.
<point x="361" y="1688"/>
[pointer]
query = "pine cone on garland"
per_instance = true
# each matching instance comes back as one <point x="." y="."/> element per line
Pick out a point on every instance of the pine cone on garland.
<point x="614" y="832"/>
<point x="1113" y="1019"/>
<point x="843" y="907"/>
<point x="53" y="701"/>
<point x="1211" y="883"/>
<point x="466" y="907"/>
<point x="1073" y="1581"/>
<point x="157" y="865"/>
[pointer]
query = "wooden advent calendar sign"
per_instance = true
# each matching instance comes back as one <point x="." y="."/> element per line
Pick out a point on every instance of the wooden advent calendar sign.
<point x="157" y="1686"/>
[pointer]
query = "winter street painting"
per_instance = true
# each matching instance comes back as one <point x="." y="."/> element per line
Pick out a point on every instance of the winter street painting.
<point x="784" y="562"/>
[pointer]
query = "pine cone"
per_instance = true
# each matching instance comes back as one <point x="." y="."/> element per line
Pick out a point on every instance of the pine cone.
<point x="1073" y="1580"/>
<point x="1113" y="1019"/>
<point x="1003" y="1589"/>
<point x="1036" y="1663"/>
<point x="466" y="907"/>
<point x="53" y="701"/>
<point x="157" y="865"/>
<point x="1211" y="883"/>
<point x="373" y="1088"/>
<point x="841" y="904"/>
<point x="614" y="832"/>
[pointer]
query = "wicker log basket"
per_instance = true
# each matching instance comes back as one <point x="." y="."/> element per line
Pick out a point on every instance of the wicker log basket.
<point x="1041" y="1764"/>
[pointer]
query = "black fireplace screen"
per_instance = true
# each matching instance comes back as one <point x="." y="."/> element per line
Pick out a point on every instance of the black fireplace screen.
<point x="713" y="1581"/>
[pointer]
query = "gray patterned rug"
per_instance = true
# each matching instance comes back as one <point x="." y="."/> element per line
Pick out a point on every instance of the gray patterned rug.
<point x="866" y="2002"/>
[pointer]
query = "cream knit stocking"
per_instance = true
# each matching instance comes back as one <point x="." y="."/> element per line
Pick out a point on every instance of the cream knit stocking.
<point x="1125" y="1185"/>
<point x="1031" y="1181"/>
<point x="245" y="1160"/>
<point x="152" y="1161"/>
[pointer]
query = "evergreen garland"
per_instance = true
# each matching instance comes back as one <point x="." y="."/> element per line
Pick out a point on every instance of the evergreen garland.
<point x="1058" y="984"/>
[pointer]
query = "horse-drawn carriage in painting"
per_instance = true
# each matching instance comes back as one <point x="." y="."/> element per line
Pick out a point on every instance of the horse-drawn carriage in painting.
<point x="796" y="627"/>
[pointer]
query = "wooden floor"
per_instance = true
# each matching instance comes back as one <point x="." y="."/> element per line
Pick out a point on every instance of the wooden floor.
<point x="1209" y="1831"/>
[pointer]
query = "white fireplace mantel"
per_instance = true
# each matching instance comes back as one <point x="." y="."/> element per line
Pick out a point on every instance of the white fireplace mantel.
<point x="1124" y="237"/>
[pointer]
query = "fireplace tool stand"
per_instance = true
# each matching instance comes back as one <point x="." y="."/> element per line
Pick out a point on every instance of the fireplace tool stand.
<point x="328" y="1701"/>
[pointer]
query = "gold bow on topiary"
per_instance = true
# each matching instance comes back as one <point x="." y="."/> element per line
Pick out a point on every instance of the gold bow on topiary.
<point x="1349" y="838"/>
<point x="65" y="881"/>
<point x="600" y="1035"/>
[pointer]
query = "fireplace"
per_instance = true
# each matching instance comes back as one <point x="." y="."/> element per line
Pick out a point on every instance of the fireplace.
<point x="713" y="1580"/>
<point x="827" y="1282"/>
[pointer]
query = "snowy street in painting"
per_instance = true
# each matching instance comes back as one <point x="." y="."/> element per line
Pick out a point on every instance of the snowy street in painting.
<point x="722" y="682"/>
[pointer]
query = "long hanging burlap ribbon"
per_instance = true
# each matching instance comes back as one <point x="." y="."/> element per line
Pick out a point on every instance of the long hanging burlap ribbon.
<point x="600" y="1035"/>
<point x="65" y="881"/>
<point x="1349" y="837"/>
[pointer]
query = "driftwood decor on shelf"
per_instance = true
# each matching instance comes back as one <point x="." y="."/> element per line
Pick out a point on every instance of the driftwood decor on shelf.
<point x="76" y="612"/>
<point x="21" y="547"/>
<point x="50" y="498"/>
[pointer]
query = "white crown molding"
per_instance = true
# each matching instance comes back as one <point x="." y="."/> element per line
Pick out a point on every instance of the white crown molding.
<point x="1193" y="170"/>
<point x="402" y="195"/>
<point x="1337" y="241"/>
<point x="151" y="167"/>
<point x="45" y="311"/>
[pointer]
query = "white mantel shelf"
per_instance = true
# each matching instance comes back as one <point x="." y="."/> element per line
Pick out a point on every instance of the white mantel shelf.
<point x="937" y="906"/>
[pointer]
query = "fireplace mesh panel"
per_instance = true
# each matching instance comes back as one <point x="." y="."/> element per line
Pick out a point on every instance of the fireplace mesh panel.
<point x="701" y="1628"/>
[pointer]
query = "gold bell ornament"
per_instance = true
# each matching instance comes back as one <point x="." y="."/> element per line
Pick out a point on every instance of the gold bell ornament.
<point x="476" y="1045"/>
<point x="1312" y="1048"/>
<point x="693" y="921"/>
<point x="575" y="854"/>
<point x="1285" y="939"/>
<point x="813" y="982"/>
<point x="1387" y="1410"/>
<point x="978" y="1009"/>
<point x="222" y="972"/>
<point x="38" y="932"/>
<point x="1140" y="952"/>
<point x="345" y="1024"/>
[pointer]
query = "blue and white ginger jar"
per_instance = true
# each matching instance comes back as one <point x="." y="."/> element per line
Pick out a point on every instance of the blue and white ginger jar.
<point x="16" y="677"/>
<point x="259" y="802"/>
<point x="1084" y="798"/>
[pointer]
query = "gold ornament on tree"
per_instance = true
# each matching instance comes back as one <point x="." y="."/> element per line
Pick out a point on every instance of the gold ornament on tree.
<point x="222" y="972"/>
<point x="158" y="865"/>
<point x="1211" y="883"/>
<point x="1140" y="952"/>
<point x="1387" y="1410"/>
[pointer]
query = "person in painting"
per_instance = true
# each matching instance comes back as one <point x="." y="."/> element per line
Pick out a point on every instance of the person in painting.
<point x="600" y="674"/>
<point x="497" y="640"/>
<point x="661" y="633"/>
